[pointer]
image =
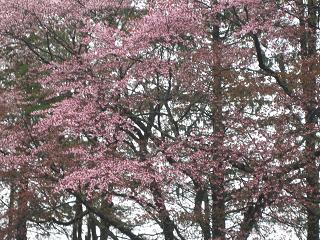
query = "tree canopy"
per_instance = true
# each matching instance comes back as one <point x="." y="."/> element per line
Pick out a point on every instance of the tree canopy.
<point x="159" y="119"/>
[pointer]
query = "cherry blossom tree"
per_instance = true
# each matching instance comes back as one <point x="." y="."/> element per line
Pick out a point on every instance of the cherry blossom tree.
<point x="193" y="119"/>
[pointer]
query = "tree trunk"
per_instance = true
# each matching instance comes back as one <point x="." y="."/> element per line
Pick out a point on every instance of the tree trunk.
<point x="91" y="227"/>
<point x="77" y="226"/>
<point x="22" y="212"/>
<point x="104" y="226"/>
<point x="308" y="50"/>
<point x="218" y="215"/>
<point x="10" y="235"/>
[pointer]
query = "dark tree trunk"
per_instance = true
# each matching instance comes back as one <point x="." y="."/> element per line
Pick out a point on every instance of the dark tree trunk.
<point x="22" y="212"/>
<point x="308" y="50"/>
<point x="218" y="215"/>
<point x="10" y="235"/>
<point x="92" y="228"/>
<point x="77" y="226"/>
<point x="104" y="226"/>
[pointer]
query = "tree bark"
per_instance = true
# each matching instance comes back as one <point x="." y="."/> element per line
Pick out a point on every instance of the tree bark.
<point x="218" y="214"/>
<point x="77" y="226"/>
<point x="91" y="228"/>
<point x="104" y="226"/>
<point x="22" y="212"/>
<point x="12" y="200"/>
<point x="308" y="43"/>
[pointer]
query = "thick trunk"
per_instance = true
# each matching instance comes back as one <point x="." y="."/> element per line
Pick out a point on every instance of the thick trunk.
<point x="308" y="50"/>
<point x="104" y="226"/>
<point x="12" y="199"/>
<point x="22" y="212"/>
<point x="104" y="230"/>
<point x="217" y="180"/>
<point x="91" y="229"/>
<point x="77" y="226"/>
<point x="218" y="212"/>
